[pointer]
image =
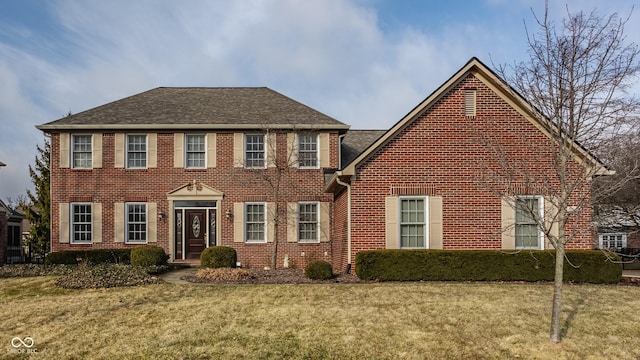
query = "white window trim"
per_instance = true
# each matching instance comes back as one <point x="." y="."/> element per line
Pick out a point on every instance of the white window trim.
<point x="72" y="223"/>
<point x="317" y="166"/>
<point x="146" y="152"/>
<point x="317" y="239"/>
<point x="601" y="235"/>
<point x="186" y="146"/>
<point x="540" y="232"/>
<point x="126" y="223"/>
<point x="265" y="227"/>
<point x="265" y="139"/>
<point x="426" y="221"/>
<point x="72" y="152"/>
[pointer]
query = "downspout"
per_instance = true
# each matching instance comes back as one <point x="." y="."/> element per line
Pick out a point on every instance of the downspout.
<point x="340" y="182"/>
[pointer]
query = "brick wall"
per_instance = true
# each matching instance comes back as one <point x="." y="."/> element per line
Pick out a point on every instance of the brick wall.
<point x="453" y="156"/>
<point x="109" y="185"/>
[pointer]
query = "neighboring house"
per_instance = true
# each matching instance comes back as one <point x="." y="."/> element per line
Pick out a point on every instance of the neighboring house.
<point x="188" y="168"/>
<point x="11" y="251"/>
<point x="618" y="229"/>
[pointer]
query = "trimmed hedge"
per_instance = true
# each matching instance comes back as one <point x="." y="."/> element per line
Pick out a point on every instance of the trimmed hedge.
<point x="148" y="255"/>
<point x="98" y="256"/>
<point x="591" y="266"/>
<point x="318" y="270"/>
<point x="218" y="257"/>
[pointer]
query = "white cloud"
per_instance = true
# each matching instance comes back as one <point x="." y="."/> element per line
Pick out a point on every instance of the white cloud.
<point x="331" y="55"/>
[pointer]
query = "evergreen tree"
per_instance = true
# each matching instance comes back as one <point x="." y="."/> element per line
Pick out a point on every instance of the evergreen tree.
<point x="38" y="210"/>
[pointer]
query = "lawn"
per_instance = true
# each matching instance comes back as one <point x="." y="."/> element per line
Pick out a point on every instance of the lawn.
<point x="315" y="321"/>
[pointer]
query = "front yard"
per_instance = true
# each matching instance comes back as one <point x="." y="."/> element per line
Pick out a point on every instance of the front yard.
<point x="315" y="321"/>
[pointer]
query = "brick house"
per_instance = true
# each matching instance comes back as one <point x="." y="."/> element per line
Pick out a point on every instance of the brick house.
<point x="422" y="184"/>
<point x="188" y="168"/>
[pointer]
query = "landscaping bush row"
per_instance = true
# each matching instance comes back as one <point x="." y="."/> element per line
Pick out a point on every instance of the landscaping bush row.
<point x="583" y="266"/>
<point x="98" y="256"/>
<point x="145" y="255"/>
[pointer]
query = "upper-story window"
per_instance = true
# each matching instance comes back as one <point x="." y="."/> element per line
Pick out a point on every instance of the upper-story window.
<point x="308" y="150"/>
<point x="81" y="151"/>
<point x="195" y="151"/>
<point x="136" y="151"/>
<point x="254" y="151"/>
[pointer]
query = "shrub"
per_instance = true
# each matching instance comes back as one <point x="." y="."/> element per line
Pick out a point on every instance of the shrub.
<point x="148" y="255"/>
<point x="318" y="270"/>
<point x="218" y="257"/>
<point x="110" y="256"/>
<point x="87" y="276"/>
<point x="67" y="257"/>
<point x="484" y="265"/>
<point x="97" y="256"/>
<point x="28" y="270"/>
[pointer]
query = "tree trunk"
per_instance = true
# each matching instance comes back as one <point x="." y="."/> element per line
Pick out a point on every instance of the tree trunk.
<point x="556" y="311"/>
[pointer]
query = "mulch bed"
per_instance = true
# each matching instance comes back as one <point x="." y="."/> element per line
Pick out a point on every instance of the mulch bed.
<point x="278" y="276"/>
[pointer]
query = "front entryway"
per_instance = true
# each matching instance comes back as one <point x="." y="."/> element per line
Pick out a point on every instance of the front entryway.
<point x="196" y="233"/>
<point x="195" y="228"/>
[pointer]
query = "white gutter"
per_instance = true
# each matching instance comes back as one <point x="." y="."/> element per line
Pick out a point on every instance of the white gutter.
<point x="340" y="182"/>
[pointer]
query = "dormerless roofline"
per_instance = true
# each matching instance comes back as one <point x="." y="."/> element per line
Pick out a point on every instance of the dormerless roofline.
<point x="48" y="128"/>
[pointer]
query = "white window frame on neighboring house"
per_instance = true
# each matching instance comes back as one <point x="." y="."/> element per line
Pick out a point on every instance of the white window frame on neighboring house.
<point x="606" y="239"/>
<point x="81" y="151"/>
<point x="81" y="223"/>
<point x="136" y="223"/>
<point x="308" y="151"/>
<point x="137" y="151"/>
<point x="253" y="225"/>
<point x="524" y="220"/>
<point x="309" y="222"/>
<point x="253" y="149"/>
<point x="413" y="222"/>
<point x="195" y="153"/>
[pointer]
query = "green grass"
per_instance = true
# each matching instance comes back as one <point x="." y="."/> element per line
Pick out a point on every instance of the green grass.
<point x="374" y="321"/>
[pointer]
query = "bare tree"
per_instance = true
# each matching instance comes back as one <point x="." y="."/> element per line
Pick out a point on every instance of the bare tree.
<point x="575" y="81"/>
<point x="619" y="200"/>
<point x="274" y="171"/>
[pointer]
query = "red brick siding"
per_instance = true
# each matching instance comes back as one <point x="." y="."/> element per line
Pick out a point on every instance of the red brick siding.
<point x="109" y="185"/>
<point x="446" y="151"/>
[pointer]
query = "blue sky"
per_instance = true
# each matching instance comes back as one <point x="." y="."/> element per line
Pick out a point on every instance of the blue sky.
<point x="365" y="63"/>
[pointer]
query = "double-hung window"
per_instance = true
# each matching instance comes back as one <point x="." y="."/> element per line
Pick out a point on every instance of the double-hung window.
<point x="81" y="229"/>
<point x="136" y="223"/>
<point x="195" y="151"/>
<point x="254" y="151"/>
<point x="308" y="151"/>
<point x="413" y="222"/>
<point x="81" y="151"/>
<point x="528" y="214"/>
<point x="136" y="151"/>
<point x="255" y="222"/>
<point x="613" y="241"/>
<point x="308" y="222"/>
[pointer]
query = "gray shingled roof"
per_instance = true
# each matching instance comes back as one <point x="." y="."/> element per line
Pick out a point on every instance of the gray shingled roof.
<point x="199" y="108"/>
<point x="357" y="141"/>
